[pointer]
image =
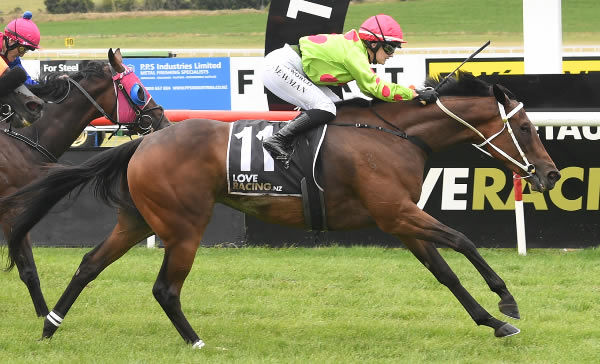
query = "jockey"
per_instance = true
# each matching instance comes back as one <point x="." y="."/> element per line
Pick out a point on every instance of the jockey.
<point x="300" y="74"/>
<point x="20" y="36"/>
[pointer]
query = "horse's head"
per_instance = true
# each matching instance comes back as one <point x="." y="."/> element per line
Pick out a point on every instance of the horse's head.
<point x="519" y="146"/>
<point x="18" y="105"/>
<point x="136" y="109"/>
<point x="499" y="127"/>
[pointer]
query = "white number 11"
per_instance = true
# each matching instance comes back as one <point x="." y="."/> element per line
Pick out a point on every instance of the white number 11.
<point x="246" y="150"/>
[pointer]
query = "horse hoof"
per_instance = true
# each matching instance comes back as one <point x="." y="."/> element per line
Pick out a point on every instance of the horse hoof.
<point x="506" y="330"/>
<point x="198" y="344"/>
<point x="510" y="309"/>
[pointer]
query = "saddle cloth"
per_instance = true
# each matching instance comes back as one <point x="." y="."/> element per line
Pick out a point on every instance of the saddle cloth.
<point x="252" y="171"/>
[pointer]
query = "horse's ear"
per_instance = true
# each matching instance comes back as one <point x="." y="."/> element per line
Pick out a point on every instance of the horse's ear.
<point x="116" y="60"/>
<point x="500" y="95"/>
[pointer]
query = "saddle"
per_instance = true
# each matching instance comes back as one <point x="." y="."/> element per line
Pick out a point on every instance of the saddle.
<point x="251" y="170"/>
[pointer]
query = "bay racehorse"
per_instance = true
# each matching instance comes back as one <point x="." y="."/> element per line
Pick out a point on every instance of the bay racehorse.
<point x="76" y="100"/>
<point x="19" y="107"/>
<point x="167" y="182"/>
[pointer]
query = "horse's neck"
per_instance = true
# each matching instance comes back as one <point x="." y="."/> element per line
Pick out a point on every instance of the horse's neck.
<point x="61" y="124"/>
<point x="435" y="127"/>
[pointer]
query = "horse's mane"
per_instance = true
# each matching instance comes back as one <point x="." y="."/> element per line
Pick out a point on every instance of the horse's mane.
<point x="358" y="102"/>
<point x="55" y="85"/>
<point x="464" y="84"/>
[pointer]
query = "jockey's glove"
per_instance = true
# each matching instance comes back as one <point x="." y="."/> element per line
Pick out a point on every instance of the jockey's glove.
<point x="427" y="95"/>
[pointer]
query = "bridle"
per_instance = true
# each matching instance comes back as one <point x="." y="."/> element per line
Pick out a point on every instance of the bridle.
<point x="6" y="112"/>
<point x="142" y="120"/>
<point x="525" y="166"/>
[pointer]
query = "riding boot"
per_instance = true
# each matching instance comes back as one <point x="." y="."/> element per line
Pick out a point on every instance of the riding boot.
<point x="280" y="145"/>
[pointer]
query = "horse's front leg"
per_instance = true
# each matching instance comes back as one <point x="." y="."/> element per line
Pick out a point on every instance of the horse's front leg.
<point x="410" y="222"/>
<point x="427" y="228"/>
<point x="29" y="275"/>
<point x="457" y="241"/>
<point x="432" y="260"/>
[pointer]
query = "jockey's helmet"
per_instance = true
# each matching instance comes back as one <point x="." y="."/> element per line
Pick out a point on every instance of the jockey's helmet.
<point x="381" y="28"/>
<point x="24" y="31"/>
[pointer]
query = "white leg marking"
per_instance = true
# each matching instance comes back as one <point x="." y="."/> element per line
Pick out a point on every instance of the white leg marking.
<point x="198" y="344"/>
<point x="54" y="319"/>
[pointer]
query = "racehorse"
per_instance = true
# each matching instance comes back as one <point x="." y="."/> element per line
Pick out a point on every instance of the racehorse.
<point x="372" y="176"/>
<point x="19" y="107"/>
<point x="77" y="100"/>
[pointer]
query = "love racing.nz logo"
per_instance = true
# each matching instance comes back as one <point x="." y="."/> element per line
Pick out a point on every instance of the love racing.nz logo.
<point x="251" y="183"/>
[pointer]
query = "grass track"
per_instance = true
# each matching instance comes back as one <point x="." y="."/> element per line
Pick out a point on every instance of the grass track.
<point x="331" y="305"/>
<point x="425" y="22"/>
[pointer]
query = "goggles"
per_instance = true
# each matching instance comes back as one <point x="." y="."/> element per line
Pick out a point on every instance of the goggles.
<point x="22" y="49"/>
<point x="389" y="48"/>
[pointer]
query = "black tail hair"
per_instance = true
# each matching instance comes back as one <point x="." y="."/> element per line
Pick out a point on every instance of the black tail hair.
<point x="106" y="170"/>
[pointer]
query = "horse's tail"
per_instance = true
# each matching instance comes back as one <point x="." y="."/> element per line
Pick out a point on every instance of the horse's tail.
<point x="107" y="171"/>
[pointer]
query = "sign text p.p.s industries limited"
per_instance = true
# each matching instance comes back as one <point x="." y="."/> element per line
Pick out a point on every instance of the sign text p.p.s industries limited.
<point x="186" y="83"/>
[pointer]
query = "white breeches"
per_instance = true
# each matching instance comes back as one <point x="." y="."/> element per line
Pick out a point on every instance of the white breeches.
<point x="283" y="76"/>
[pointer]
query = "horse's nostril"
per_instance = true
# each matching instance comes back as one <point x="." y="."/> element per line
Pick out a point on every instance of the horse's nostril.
<point x="554" y="176"/>
<point x="34" y="106"/>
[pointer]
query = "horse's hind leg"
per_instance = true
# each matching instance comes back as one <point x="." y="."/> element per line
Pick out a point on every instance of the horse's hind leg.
<point x="130" y="229"/>
<point x="29" y="275"/>
<point x="431" y="258"/>
<point x="177" y="263"/>
<point x="181" y="234"/>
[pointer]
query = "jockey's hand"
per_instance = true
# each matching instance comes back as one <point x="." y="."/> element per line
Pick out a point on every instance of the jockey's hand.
<point x="427" y="95"/>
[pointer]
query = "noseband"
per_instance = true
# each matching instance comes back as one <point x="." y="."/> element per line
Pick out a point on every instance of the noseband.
<point x="525" y="166"/>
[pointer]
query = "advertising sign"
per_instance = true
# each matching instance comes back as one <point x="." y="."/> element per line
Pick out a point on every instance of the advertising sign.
<point x="186" y="83"/>
<point x="505" y="65"/>
<point x="475" y="195"/>
<point x="64" y="66"/>
<point x="32" y="67"/>
<point x="247" y="89"/>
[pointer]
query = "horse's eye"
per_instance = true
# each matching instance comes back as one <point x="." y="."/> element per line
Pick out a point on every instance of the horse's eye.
<point x="526" y="129"/>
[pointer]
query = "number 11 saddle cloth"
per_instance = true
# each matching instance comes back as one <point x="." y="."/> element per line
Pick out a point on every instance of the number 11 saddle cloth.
<point x="252" y="171"/>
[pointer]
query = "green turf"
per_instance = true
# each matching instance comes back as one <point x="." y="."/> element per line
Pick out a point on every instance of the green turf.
<point x="321" y="305"/>
<point x="425" y="22"/>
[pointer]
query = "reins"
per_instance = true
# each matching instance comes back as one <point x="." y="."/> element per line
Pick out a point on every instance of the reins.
<point x="398" y="132"/>
<point x="35" y="145"/>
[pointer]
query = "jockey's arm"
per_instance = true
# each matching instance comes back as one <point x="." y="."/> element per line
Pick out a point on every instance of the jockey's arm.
<point x="370" y="84"/>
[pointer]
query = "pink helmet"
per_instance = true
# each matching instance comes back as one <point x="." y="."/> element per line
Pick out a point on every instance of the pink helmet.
<point x="24" y="31"/>
<point x="380" y="28"/>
